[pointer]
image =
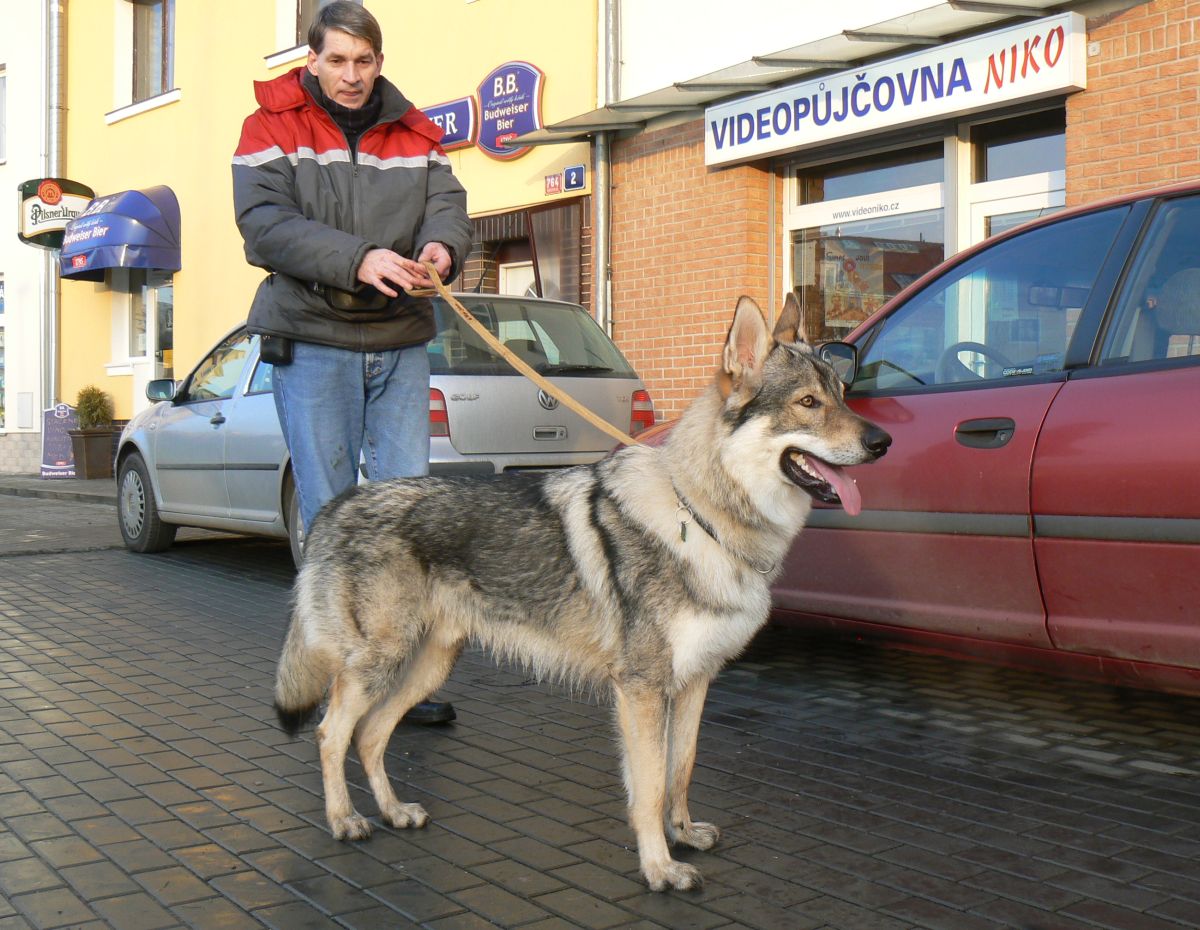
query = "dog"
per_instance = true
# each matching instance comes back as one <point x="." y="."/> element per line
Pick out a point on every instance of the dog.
<point x="640" y="576"/>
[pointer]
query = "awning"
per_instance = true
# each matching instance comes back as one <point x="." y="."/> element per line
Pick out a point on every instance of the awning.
<point x="938" y="23"/>
<point x="132" y="229"/>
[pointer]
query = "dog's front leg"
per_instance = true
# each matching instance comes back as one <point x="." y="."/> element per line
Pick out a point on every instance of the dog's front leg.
<point x="686" y="708"/>
<point x="642" y="716"/>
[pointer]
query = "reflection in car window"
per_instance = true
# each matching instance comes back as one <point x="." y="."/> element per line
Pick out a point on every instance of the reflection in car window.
<point x="216" y="377"/>
<point x="1004" y="314"/>
<point x="263" y="379"/>
<point x="551" y="338"/>
<point x="1158" y="316"/>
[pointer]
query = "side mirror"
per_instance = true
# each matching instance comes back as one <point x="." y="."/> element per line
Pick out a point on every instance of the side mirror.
<point x="843" y="357"/>
<point x="161" y="389"/>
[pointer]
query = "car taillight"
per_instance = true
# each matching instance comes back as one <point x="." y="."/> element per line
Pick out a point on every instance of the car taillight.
<point x="439" y="421"/>
<point x="641" y="414"/>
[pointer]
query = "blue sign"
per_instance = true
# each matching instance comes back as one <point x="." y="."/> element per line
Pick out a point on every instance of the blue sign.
<point x="457" y="119"/>
<point x="510" y="103"/>
<point x="58" y="458"/>
<point x="574" y="178"/>
<point x="132" y="229"/>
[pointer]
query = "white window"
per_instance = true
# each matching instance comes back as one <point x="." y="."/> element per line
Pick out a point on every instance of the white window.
<point x="153" y="48"/>
<point x="292" y="19"/>
<point x="144" y="57"/>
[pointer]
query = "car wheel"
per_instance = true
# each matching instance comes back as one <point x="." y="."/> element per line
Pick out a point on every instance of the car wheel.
<point x="137" y="514"/>
<point x="291" y="509"/>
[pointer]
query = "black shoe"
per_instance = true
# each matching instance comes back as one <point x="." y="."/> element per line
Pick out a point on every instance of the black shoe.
<point x="431" y="712"/>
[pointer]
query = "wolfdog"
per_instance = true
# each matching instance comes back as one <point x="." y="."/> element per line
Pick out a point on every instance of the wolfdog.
<point x="639" y="576"/>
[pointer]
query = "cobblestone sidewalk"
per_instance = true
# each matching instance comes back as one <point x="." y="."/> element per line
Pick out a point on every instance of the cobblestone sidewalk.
<point x="143" y="783"/>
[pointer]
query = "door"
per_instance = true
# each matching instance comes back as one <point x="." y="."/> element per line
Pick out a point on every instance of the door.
<point x="1116" y="499"/>
<point x="961" y="374"/>
<point x="255" y="451"/>
<point x="190" y="448"/>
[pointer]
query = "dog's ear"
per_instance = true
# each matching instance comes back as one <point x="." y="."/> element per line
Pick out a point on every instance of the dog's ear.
<point x="790" y="327"/>
<point x="746" y="349"/>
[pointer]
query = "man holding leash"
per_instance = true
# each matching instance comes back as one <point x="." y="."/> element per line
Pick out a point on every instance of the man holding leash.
<point x="341" y="191"/>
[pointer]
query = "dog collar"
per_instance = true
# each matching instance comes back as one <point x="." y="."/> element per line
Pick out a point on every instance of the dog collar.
<point x="686" y="513"/>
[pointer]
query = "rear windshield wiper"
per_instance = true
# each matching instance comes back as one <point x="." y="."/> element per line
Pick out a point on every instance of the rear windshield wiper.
<point x="564" y="369"/>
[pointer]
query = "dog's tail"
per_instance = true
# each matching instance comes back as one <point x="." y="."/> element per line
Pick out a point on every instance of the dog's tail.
<point x="301" y="678"/>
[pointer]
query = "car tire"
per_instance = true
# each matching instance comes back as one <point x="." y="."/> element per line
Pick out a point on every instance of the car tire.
<point x="295" y="529"/>
<point x="137" y="513"/>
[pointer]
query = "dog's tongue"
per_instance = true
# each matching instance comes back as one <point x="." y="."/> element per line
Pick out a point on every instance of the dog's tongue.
<point x="846" y="489"/>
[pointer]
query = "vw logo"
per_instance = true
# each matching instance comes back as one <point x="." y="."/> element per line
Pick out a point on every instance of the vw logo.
<point x="547" y="402"/>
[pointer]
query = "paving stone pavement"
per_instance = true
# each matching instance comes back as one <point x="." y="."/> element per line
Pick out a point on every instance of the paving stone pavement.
<point x="144" y="785"/>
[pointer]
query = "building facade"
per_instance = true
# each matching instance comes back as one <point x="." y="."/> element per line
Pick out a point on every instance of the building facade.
<point x="157" y="94"/>
<point x="25" y="270"/>
<point x="842" y="156"/>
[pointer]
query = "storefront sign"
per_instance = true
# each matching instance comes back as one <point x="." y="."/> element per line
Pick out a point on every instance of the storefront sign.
<point x="847" y="210"/>
<point x="58" y="458"/>
<point x="458" y="121"/>
<point x="47" y="205"/>
<point x="1038" y="59"/>
<point x="510" y="103"/>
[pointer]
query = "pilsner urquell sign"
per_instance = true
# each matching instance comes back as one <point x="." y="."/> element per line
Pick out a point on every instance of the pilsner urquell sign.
<point x="47" y="205"/>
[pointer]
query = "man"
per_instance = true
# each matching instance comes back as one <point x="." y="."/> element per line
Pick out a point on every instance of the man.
<point x="341" y="191"/>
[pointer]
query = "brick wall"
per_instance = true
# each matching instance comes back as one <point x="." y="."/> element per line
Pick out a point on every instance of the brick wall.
<point x="1138" y="124"/>
<point x="687" y="241"/>
<point x="20" y="453"/>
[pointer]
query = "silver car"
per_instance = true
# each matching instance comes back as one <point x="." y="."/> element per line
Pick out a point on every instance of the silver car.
<point x="210" y="453"/>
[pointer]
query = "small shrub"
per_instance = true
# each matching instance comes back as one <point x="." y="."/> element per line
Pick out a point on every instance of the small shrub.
<point x="94" y="408"/>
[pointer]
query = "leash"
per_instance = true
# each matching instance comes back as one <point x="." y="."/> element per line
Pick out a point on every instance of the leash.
<point x="515" y="360"/>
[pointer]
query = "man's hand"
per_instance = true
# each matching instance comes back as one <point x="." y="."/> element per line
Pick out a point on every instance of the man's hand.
<point x="440" y="256"/>
<point x="384" y="269"/>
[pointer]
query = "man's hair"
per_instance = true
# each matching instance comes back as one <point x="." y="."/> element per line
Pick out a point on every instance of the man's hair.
<point x="350" y="18"/>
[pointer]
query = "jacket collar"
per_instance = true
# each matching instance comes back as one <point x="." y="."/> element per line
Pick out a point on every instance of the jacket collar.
<point x="287" y="92"/>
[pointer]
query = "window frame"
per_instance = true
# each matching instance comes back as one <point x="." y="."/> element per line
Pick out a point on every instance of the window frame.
<point x="163" y="50"/>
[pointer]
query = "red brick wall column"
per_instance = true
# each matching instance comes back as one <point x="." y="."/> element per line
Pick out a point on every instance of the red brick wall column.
<point x="1138" y="123"/>
<point x="686" y="242"/>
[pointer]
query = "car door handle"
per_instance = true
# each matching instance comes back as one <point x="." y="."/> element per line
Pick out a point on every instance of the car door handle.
<point x="217" y="419"/>
<point x="986" y="433"/>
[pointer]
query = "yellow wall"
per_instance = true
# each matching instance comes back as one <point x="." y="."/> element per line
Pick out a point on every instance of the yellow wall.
<point x="433" y="52"/>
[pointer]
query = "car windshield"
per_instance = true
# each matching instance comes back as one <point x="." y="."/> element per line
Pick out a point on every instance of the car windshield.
<point x="553" y="338"/>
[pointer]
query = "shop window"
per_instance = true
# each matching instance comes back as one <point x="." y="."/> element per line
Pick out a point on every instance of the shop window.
<point x="1013" y="148"/>
<point x="153" y="48"/>
<point x="152" y="319"/>
<point x="867" y="229"/>
<point x="910" y="168"/>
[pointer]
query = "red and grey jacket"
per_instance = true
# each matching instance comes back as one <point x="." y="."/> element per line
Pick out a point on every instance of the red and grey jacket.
<point x="309" y="210"/>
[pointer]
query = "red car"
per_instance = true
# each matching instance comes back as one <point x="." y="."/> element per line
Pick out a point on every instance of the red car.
<point x="1040" y="503"/>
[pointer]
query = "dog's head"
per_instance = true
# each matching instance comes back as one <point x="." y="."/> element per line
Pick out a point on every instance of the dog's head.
<point x="788" y="404"/>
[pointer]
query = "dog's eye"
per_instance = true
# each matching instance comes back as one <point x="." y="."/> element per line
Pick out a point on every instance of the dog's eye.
<point x="809" y="401"/>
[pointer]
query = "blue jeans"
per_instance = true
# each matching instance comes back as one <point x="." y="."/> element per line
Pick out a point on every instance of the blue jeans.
<point x="335" y="404"/>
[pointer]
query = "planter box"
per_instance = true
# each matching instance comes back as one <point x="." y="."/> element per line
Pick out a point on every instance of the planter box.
<point x="93" y="449"/>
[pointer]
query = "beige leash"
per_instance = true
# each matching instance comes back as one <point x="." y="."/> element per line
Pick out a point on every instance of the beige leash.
<point x="515" y="360"/>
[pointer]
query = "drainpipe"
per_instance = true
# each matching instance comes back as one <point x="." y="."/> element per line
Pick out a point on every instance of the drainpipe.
<point x="601" y="189"/>
<point x="54" y="29"/>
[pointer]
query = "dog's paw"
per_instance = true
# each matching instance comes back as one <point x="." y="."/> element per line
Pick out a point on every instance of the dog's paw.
<point x="672" y="874"/>
<point x="352" y="827"/>
<point x="402" y="816"/>
<point x="696" y="834"/>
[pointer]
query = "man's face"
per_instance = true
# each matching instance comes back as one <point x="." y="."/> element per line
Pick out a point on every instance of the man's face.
<point x="346" y="69"/>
